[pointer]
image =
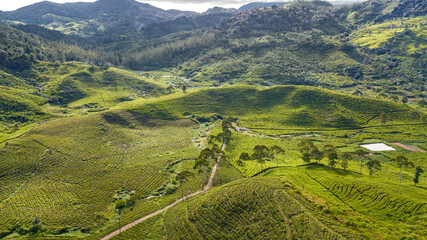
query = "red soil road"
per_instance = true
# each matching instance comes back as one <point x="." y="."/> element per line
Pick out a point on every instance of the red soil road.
<point x="208" y="186"/>
<point x="412" y="149"/>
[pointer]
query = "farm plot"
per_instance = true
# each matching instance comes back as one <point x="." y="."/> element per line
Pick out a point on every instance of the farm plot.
<point x="256" y="208"/>
<point x="375" y="206"/>
<point x="67" y="172"/>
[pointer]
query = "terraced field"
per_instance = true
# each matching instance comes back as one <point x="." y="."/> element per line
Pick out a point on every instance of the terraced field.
<point x="295" y="203"/>
<point x="263" y="208"/>
<point x="66" y="172"/>
<point x="282" y="107"/>
<point x="379" y="35"/>
<point x="69" y="172"/>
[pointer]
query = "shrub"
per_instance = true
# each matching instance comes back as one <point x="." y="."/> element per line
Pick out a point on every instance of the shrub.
<point x="170" y="189"/>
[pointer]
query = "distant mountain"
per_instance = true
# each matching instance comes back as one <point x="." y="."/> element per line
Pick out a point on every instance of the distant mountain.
<point x="408" y="8"/>
<point x="86" y="19"/>
<point x="345" y="2"/>
<point x="216" y="10"/>
<point x="254" y="5"/>
<point x="380" y="10"/>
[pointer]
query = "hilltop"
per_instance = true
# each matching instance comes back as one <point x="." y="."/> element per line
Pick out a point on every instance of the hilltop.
<point x="87" y="19"/>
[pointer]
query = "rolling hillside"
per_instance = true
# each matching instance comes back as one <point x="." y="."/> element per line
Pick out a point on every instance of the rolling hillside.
<point x="118" y="117"/>
<point x="296" y="106"/>
<point x="51" y="90"/>
<point x="295" y="203"/>
<point x="69" y="172"/>
<point x="77" y="170"/>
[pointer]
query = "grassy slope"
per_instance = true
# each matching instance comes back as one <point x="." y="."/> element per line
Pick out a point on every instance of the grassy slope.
<point x="89" y="158"/>
<point x="279" y="107"/>
<point x="79" y="84"/>
<point x="376" y="36"/>
<point x="37" y="94"/>
<point x="67" y="171"/>
<point x="296" y="203"/>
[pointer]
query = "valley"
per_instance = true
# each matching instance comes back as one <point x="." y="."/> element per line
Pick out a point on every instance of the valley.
<point x="119" y="120"/>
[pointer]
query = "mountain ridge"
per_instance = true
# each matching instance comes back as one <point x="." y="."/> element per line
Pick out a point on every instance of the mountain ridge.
<point x="92" y="18"/>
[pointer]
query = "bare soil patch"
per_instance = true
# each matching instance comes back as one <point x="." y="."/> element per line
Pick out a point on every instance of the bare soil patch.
<point x="410" y="148"/>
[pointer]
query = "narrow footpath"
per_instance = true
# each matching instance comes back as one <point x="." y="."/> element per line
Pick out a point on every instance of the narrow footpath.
<point x="208" y="186"/>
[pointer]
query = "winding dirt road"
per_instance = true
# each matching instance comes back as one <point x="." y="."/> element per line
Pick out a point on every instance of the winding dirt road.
<point x="208" y="186"/>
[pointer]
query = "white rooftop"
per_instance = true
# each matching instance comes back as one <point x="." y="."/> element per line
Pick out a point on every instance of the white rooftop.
<point x="378" y="147"/>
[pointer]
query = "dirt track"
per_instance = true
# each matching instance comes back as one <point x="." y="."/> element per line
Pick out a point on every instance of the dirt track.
<point x="208" y="186"/>
<point x="408" y="147"/>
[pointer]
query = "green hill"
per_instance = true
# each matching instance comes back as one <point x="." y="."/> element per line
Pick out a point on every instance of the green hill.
<point x="87" y="19"/>
<point x="295" y="203"/>
<point x="68" y="173"/>
<point x="47" y="90"/>
<point x="66" y="177"/>
<point x="279" y="107"/>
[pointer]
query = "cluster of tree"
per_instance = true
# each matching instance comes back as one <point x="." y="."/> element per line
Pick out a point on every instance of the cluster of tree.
<point x="403" y="162"/>
<point x="299" y="16"/>
<point x="309" y="151"/>
<point x="225" y="135"/>
<point x="19" y="51"/>
<point x="261" y="154"/>
<point x="170" y="54"/>
<point x="204" y="161"/>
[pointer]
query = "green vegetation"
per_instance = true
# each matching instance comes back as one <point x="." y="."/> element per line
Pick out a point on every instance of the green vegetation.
<point x="87" y="148"/>
<point x="69" y="172"/>
<point x="47" y="90"/>
<point x="284" y="107"/>
<point x="87" y="166"/>
<point x="384" y="34"/>
<point x="296" y="202"/>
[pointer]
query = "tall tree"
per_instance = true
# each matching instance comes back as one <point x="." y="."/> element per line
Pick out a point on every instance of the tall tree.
<point x="305" y="146"/>
<point x="306" y="157"/>
<point x="224" y="137"/>
<point x="361" y="153"/>
<point x="308" y="150"/>
<point x="333" y="156"/>
<point x="202" y="165"/>
<point x="227" y="123"/>
<point x="276" y="150"/>
<point x="241" y="163"/>
<point x="418" y="172"/>
<point x="261" y="154"/>
<point x="244" y="156"/>
<point x="345" y="158"/>
<point x="183" y="177"/>
<point x="402" y="162"/>
<point x="170" y="88"/>
<point x="405" y="100"/>
<point x="373" y="166"/>
<point x="262" y="162"/>
<point x="184" y="88"/>
<point x="330" y="152"/>
<point x="316" y="154"/>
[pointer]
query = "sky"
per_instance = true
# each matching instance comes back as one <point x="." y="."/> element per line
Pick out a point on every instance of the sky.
<point x="189" y="5"/>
